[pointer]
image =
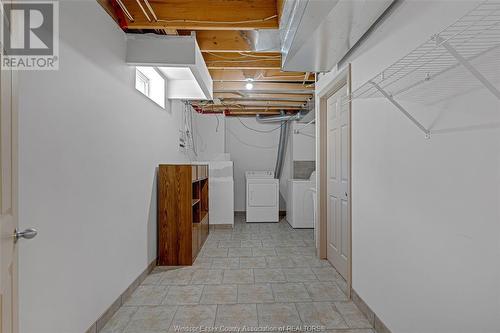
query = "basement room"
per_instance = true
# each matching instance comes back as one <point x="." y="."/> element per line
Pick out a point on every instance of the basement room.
<point x="250" y="166"/>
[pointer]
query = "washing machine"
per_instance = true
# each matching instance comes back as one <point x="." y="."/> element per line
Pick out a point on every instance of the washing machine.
<point x="300" y="203"/>
<point x="262" y="196"/>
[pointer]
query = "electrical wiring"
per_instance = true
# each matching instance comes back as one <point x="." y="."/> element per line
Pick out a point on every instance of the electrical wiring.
<point x="243" y="56"/>
<point x="190" y="110"/>
<point x="219" y="22"/>
<point x="243" y="60"/>
<point x="151" y="10"/>
<point x="222" y="57"/>
<point x="188" y="128"/>
<point x="248" y="55"/>
<point x="125" y="10"/>
<point x="249" y="144"/>
<point x="264" y="131"/>
<point x="274" y="77"/>
<point x="143" y="10"/>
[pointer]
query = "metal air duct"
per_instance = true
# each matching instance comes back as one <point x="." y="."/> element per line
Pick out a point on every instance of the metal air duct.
<point x="285" y="126"/>
<point x="282" y="117"/>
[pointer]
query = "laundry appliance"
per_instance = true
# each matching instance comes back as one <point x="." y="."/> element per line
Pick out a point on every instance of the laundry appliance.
<point x="300" y="202"/>
<point x="262" y="196"/>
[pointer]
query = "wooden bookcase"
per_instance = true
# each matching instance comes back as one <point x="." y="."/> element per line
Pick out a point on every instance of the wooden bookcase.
<point x="182" y="221"/>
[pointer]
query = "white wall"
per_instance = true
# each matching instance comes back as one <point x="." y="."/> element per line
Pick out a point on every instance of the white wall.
<point x="89" y="145"/>
<point x="425" y="212"/>
<point x="250" y="150"/>
<point x="303" y="143"/>
<point x="209" y="132"/>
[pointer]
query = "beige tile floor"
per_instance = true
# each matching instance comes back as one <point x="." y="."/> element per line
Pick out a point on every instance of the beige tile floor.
<point x="261" y="276"/>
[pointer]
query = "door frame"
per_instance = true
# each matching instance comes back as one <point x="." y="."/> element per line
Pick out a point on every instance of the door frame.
<point x="342" y="78"/>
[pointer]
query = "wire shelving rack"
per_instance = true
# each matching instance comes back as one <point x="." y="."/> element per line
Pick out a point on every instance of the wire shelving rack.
<point x="462" y="57"/>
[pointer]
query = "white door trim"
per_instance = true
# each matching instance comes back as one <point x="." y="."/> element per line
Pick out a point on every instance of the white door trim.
<point x="341" y="79"/>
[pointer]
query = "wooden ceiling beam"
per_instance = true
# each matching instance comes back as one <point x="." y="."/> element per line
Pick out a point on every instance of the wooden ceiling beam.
<point x="258" y="96"/>
<point x="230" y="74"/>
<point x="258" y="103"/>
<point x="225" y="41"/>
<point x="263" y="100"/>
<point x="249" y="60"/>
<point x="203" y="15"/>
<point x="247" y="108"/>
<point x="264" y="87"/>
<point x="236" y="113"/>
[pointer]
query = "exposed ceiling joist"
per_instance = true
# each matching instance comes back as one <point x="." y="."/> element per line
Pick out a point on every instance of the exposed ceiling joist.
<point x="234" y="46"/>
<point x="247" y="108"/>
<point x="247" y="60"/>
<point x="256" y="96"/>
<point x="202" y="14"/>
<point x="225" y="41"/>
<point x="264" y="87"/>
<point x="257" y="103"/>
<point x="258" y="75"/>
<point x="251" y="113"/>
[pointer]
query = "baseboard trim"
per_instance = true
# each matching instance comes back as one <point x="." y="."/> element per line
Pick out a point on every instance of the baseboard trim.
<point x="99" y="324"/>
<point x="375" y="321"/>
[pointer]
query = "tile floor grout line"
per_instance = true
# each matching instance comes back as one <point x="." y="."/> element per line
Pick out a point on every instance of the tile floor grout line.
<point x="340" y="313"/>
<point x="128" y="321"/>
<point x="173" y="317"/>
<point x="166" y="294"/>
<point x="293" y="248"/>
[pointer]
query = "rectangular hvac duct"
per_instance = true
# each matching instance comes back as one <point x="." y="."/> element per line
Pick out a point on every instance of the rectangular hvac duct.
<point x="179" y="59"/>
<point x="316" y="34"/>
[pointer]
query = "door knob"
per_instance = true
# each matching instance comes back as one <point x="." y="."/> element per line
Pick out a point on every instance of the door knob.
<point x="26" y="234"/>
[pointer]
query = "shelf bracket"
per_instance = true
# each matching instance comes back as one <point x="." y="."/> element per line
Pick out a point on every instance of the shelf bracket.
<point x="402" y="109"/>
<point x="464" y="62"/>
<point x="298" y="131"/>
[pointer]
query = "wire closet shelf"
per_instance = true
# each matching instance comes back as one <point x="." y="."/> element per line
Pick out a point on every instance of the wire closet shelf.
<point x="463" y="57"/>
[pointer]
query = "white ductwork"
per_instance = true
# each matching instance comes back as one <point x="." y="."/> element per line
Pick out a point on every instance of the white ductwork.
<point x="178" y="58"/>
<point x="317" y="34"/>
<point x="262" y="40"/>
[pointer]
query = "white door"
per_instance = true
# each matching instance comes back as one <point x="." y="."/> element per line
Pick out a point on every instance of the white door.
<point x="8" y="201"/>
<point x="338" y="181"/>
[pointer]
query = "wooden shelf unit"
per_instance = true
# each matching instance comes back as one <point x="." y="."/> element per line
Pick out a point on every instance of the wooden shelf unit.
<point x="183" y="214"/>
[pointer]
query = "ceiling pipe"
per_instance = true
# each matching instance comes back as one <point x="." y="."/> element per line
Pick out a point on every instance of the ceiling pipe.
<point x="282" y="117"/>
<point x="200" y="110"/>
<point x="284" y="120"/>
<point x="285" y="128"/>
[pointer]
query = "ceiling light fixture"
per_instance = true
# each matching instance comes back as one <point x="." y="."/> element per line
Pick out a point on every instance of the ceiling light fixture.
<point x="249" y="85"/>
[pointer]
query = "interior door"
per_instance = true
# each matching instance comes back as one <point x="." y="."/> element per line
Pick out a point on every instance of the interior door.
<point x="338" y="181"/>
<point x="8" y="201"/>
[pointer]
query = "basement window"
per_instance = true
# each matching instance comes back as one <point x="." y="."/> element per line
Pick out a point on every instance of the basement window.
<point x="141" y="82"/>
<point x="151" y="84"/>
